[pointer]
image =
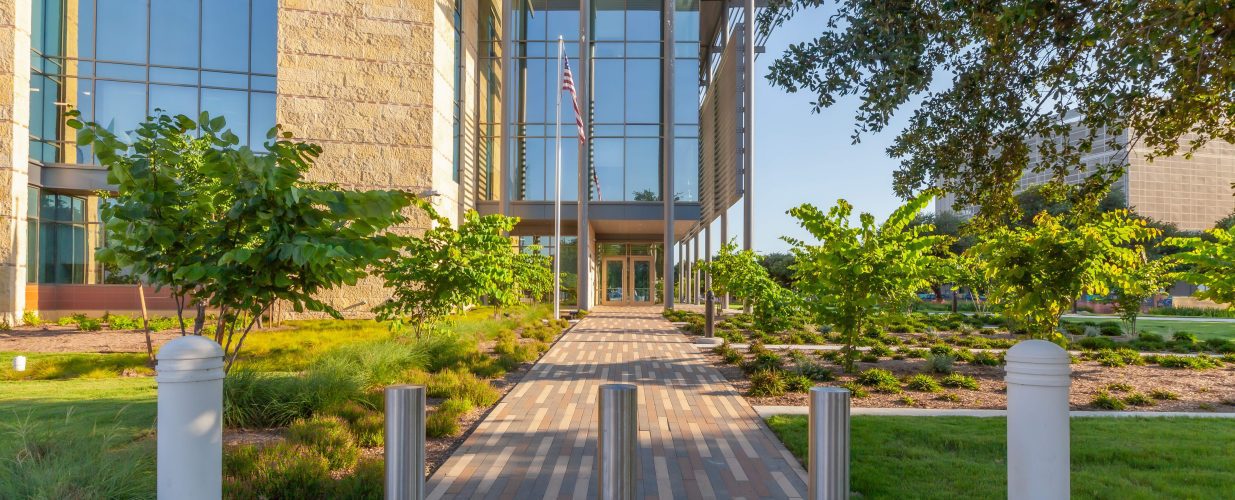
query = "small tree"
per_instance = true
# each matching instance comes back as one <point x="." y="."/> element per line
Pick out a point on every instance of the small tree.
<point x="532" y="273"/>
<point x="1144" y="280"/>
<point x="967" y="274"/>
<point x="735" y="272"/>
<point x="266" y="233"/>
<point x="855" y="272"/>
<point x="447" y="270"/>
<point x="154" y="225"/>
<point x="1036" y="272"/>
<point x="1209" y="263"/>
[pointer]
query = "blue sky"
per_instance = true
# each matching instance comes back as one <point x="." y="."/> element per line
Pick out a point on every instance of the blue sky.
<point x="802" y="157"/>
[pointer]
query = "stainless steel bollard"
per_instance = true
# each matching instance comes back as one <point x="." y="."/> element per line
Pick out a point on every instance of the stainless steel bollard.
<point x="616" y="441"/>
<point x="709" y="327"/>
<point x="405" y="442"/>
<point x="828" y="457"/>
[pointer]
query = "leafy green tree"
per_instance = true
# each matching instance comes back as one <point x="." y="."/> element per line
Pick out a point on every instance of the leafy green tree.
<point x="1226" y="222"/>
<point x="1037" y="272"/>
<point x="1144" y="280"/>
<point x="778" y="266"/>
<point x="155" y="224"/>
<point x="532" y="273"/>
<point x="268" y="234"/>
<point x="446" y="270"/>
<point x="855" y="272"/>
<point x="1014" y="74"/>
<point x="966" y="273"/>
<point x="735" y="272"/>
<point x="1209" y="262"/>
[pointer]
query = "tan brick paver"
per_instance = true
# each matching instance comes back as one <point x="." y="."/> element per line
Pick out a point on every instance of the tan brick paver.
<point x="697" y="437"/>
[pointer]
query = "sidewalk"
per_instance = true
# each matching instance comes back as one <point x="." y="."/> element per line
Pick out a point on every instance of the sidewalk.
<point x="698" y="438"/>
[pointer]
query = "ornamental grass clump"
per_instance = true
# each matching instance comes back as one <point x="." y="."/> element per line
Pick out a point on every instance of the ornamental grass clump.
<point x="940" y="363"/>
<point x="880" y="380"/>
<point x="328" y="436"/>
<point x="960" y="381"/>
<point x="768" y="383"/>
<point x="1106" y="401"/>
<point x="922" y="383"/>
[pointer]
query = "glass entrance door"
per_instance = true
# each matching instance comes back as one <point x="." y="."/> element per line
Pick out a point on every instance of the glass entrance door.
<point x="641" y="280"/>
<point x="615" y="280"/>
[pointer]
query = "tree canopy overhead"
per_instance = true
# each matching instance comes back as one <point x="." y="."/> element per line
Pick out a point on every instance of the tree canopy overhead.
<point x="1018" y="68"/>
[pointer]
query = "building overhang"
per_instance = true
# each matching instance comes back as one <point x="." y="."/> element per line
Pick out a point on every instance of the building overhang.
<point x="610" y="220"/>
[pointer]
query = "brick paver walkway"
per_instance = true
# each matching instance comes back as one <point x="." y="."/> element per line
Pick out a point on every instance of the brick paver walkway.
<point x="697" y="437"/>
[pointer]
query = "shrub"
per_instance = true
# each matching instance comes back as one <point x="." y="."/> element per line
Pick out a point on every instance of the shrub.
<point x="949" y="397"/>
<point x="512" y="353"/>
<point x="1119" y="387"/>
<point x="258" y="400"/>
<point x="1110" y="330"/>
<point x="940" y="363"/>
<point x="1138" y="399"/>
<point x="1200" y="362"/>
<point x="441" y="424"/>
<point x="855" y="391"/>
<point x="942" y="350"/>
<point x="1118" y="357"/>
<point x="366" y="481"/>
<point x="367" y="426"/>
<point x="756" y="348"/>
<point x="728" y="353"/>
<point x="1106" y="401"/>
<point x="1185" y="337"/>
<point x="463" y="385"/>
<point x="1095" y="343"/>
<point x="907" y="400"/>
<point x="70" y="320"/>
<point x="764" y="361"/>
<point x="880" y="350"/>
<point x="815" y="371"/>
<point x="986" y="358"/>
<point x="959" y="381"/>
<point x="867" y="357"/>
<point x="31" y="318"/>
<point x="768" y="383"/>
<point x="798" y="383"/>
<point x="1163" y="395"/>
<point x="283" y="470"/>
<point x="122" y="322"/>
<point x="922" y="383"/>
<point x="880" y="380"/>
<point x="329" y="437"/>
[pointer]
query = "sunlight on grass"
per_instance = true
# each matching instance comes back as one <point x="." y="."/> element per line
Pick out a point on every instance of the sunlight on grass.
<point x="1203" y="330"/>
<point x="963" y="457"/>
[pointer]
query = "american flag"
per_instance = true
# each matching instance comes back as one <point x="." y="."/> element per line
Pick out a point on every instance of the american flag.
<point x="568" y="83"/>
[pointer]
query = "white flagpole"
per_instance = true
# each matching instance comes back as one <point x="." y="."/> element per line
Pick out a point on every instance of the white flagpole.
<point x="557" y="191"/>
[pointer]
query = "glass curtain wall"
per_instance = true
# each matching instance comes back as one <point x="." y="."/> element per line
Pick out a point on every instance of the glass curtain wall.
<point x="686" y="96"/>
<point x="626" y="100"/>
<point x="570" y="261"/>
<point x="537" y="26"/>
<point x="119" y="60"/>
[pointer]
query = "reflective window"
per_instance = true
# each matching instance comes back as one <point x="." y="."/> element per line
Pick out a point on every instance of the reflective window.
<point x="151" y="54"/>
<point x="58" y="235"/>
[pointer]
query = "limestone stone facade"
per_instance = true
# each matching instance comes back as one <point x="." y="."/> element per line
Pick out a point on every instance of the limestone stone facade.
<point x="14" y="154"/>
<point x="372" y="82"/>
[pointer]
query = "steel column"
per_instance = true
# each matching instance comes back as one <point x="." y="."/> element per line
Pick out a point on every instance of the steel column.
<point x="666" y="190"/>
<point x="583" y="88"/>
<point x="748" y="125"/>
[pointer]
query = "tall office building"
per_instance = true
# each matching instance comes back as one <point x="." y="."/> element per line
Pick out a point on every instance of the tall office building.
<point x="450" y="98"/>
<point x="1192" y="193"/>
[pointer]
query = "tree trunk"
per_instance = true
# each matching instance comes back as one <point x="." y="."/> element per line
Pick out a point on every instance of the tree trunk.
<point x="141" y="295"/>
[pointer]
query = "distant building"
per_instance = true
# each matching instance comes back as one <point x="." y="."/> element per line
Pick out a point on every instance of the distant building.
<point x="1192" y="193"/>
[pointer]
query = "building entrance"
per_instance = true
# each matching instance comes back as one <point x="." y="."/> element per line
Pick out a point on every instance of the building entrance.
<point x="628" y="279"/>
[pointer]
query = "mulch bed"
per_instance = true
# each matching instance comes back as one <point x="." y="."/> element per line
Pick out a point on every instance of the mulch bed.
<point x="54" y="338"/>
<point x="1199" y="390"/>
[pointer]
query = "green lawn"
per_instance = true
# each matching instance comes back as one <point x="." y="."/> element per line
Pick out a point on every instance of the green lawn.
<point x="1203" y="330"/>
<point x="963" y="457"/>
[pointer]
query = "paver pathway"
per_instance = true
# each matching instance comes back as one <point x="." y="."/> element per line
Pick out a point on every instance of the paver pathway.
<point x="697" y="437"/>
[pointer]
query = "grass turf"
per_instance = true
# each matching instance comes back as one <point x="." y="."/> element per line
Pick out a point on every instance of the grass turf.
<point x="1203" y="330"/>
<point x="964" y="457"/>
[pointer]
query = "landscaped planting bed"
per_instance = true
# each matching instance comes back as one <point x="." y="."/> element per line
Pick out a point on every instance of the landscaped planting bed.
<point x="965" y="370"/>
<point x="303" y="407"/>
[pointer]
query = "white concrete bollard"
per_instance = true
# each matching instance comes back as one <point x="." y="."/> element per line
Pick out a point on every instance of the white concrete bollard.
<point x="190" y="419"/>
<point x="1038" y="377"/>
<point x="19" y="364"/>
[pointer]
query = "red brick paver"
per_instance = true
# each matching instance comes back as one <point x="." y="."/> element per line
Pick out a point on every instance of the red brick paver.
<point x="697" y="437"/>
